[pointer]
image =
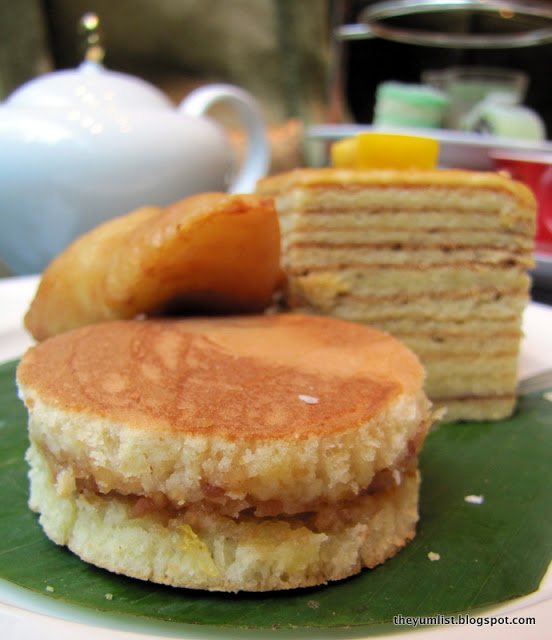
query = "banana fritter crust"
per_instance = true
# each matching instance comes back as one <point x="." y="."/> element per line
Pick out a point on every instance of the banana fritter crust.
<point x="212" y="252"/>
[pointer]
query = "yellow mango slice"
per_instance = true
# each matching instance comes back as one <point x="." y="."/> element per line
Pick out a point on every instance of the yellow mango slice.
<point x="374" y="150"/>
<point x="344" y="153"/>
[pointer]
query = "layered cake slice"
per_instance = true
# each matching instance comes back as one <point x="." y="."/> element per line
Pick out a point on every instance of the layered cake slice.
<point x="438" y="258"/>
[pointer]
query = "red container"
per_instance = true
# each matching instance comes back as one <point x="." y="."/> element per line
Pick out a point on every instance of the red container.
<point x="535" y="170"/>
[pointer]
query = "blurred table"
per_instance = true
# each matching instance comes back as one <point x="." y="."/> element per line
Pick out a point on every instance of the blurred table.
<point x="541" y="294"/>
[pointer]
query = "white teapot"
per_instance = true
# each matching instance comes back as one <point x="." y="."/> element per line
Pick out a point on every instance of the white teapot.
<point x="80" y="146"/>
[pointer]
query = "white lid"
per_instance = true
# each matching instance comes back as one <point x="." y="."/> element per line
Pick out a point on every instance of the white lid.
<point x="90" y="85"/>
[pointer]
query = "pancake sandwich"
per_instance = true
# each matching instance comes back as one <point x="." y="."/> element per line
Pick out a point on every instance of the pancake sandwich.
<point x="438" y="258"/>
<point x="233" y="453"/>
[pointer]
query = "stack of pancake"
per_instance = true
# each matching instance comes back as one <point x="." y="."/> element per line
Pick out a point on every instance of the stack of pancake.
<point x="439" y="258"/>
<point x="234" y="453"/>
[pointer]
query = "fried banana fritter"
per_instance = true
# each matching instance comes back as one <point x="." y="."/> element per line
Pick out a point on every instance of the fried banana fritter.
<point x="211" y="252"/>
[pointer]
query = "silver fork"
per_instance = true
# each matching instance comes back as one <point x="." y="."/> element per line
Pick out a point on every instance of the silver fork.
<point x="539" y="382"/>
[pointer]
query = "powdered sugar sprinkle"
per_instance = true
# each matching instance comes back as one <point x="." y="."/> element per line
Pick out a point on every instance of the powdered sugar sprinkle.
<point x="308" y="399"/>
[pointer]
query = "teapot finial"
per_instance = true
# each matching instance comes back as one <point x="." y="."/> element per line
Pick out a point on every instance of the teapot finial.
<point x="90" y="27"/>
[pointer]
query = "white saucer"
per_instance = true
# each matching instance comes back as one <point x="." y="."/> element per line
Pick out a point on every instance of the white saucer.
<point x="456" y="148"/>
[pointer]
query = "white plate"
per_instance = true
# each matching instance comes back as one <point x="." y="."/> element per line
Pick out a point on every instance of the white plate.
<point x="456" y="148"/>
<point x="27" y="616"/>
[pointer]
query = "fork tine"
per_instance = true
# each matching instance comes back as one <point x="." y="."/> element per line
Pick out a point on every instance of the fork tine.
<point x="539" y="382"/>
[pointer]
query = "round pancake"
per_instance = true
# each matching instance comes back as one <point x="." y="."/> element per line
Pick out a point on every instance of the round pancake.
<point x="282" y="413"/>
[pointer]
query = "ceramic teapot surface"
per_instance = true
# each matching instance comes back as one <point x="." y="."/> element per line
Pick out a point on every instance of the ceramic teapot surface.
<point x="81" y="146"/>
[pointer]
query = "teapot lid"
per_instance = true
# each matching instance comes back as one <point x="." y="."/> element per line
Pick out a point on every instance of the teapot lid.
<point x="90" y="85"/>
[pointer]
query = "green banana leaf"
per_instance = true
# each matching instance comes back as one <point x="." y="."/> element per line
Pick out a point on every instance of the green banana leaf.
<point x="489" y="552"/>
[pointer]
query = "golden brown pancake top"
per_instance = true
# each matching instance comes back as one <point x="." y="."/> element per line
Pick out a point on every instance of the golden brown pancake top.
<point x="262" y="377"/>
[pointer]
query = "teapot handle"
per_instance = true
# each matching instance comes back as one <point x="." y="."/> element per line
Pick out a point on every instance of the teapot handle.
<point x="256" y="163"/>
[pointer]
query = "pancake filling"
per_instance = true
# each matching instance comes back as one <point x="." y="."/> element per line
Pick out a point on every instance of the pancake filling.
<point x="318" y="515"/>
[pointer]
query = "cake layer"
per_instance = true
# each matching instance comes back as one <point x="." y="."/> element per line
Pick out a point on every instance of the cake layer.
<point x="327" y="286"/>
<point x="446" y="336"/>
<point x="370" y="309"/>
<point x="310" y="256"/>
<point x="381" y="236"/>
<point x="373" y="218"/>
<point x="448" y="330"/>
<point x="471" y="376"/>
<point x="480" y="408"/>
<point x="433" y="346"/>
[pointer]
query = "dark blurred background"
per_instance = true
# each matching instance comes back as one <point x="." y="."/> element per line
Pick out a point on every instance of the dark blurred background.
<point x="280" y="50"/>
<point x="370" y="62"/>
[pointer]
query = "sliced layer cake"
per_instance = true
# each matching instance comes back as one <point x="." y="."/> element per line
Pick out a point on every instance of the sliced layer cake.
<point x="439" y="258"/>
